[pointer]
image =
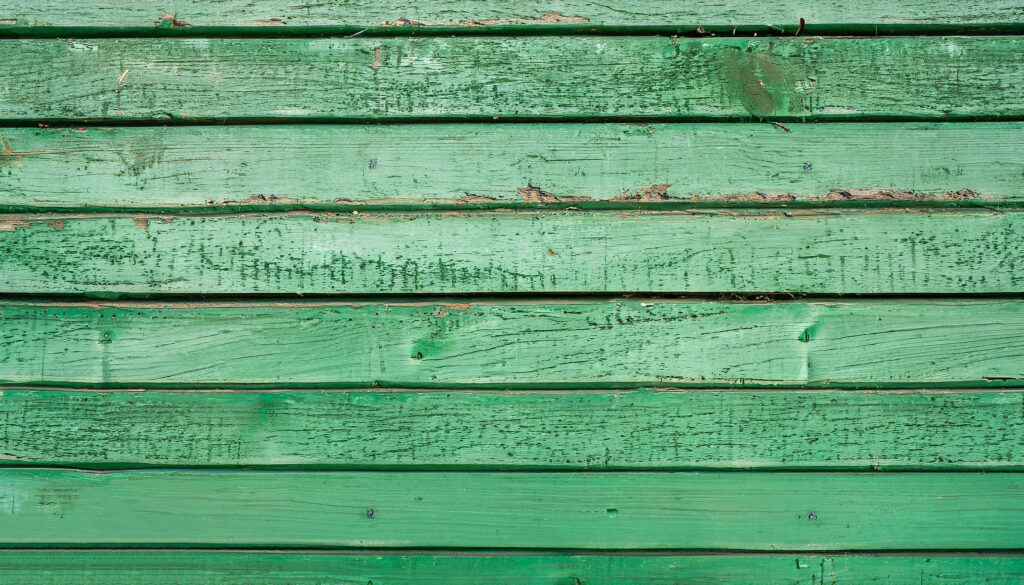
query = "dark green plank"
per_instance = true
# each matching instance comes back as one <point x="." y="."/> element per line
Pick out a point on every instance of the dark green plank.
<point x="511" y="77"/>
<point x="585" y="165"/>
<point x="739" y="511"/>
<point x="550" y="429"/>
<point x="250" y="568"/>
<point x="528" y="344"/>
<point x="848" y="252"/>
<point x="286" y="15"/>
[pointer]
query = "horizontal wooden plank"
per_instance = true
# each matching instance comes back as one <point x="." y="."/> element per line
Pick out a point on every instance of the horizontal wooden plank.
<point x="684" y="510"/>
<point x="511" y="78"/>
<point x="848" y="252"/>
<point x="275" y="568"/>
<point x="550" y="429"/>
<point x="332" y="167"/>
<point x="523" y="344"/>
<point x="777" y="17"/>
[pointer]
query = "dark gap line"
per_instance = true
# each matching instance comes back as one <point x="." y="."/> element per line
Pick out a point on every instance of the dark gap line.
<point x="995" y="384"/>
<point x="113" y="468"/>
<point x="704" y="206"/>
<point x="489" y="297"/>
<point x="175" y="120"/>
<point x="518" y="30"/>
<point x="491" y="119"/>
<point x="143" y="390"/>
<point x="513" y="552"/>
<point x="478" y="551"/>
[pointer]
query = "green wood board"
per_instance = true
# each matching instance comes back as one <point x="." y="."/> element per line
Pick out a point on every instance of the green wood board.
<point x="503" y="430"/>
<point x="580" y="344"/>
<point x="468" y="165"/>
<point x="332" y="568"/>
<point x="483" y="78"/>
<point x="683" y="510"/>
<point x="848" y="252"/>
<point x="284" y="16"/>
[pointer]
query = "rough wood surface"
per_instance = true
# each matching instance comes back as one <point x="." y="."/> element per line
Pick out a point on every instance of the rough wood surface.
<point x="777" y="17"/>
<point x="839" y="252"/>
<point x="505" y="344"/>
<point x="469" y="165"/>
<point x="502" y="430"/>
<point x="693" y="510"/>
<point x="275" y="568"/>
<point x="511" y="77"/>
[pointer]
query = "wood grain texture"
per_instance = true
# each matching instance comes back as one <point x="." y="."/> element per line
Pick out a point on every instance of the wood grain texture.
<point x="511" y="78"/>
<point x="465" y="165"/>
<point x="270" y="568"/>
<point x="550" y="429"/>
<point x="515" y="344"/>
<point x="848" y="252"/>
<point x="729" y="511"/>
<point x="560" y="14"/>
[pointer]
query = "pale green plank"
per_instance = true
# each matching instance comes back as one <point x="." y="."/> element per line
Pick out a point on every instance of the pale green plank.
<point x="511" y="77"/>
<point x="849" y="252"/>
<point x="503" y="430"/>
<point x="251" y="568"/>
<point x="738" y="511"/>
<point x="503" y="344"/>
<point x="358" y="14"/>
<point x="337" y="167"/>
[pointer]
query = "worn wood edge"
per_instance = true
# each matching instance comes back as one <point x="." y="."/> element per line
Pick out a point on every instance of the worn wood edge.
<point x="26" y="567"/>
<point x="452" y="166"/>
<point x="392" y="430"/>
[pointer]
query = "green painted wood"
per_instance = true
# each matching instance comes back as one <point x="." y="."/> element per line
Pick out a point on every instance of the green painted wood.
<point x="252" y="568"/>
<point x="732" y="511"/>
<point x="502" y="430"/>
<point x="850" y="252"/>
<point x="526" y="344"/>
<point x="286" y="15"/>
<point x="511" y="77"/>
<point x="464" y="165"/>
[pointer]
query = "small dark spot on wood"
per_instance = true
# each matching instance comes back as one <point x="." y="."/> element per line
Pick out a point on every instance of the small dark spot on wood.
<point x="808" y="167"/>
<point x="373" y="163"/>
<point x="369" y="513"/>
<point x="812" y="516"/>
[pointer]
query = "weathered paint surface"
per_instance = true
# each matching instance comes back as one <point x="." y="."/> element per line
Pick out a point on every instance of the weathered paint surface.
<point x="509" y="344"/>
<point x="511" y="77"/>
<point x="469" y="165"/>
<point x="840" y="252"/>
<point x="275" y="568"/>
<point x="513" y="430"/>
<point x="744" y="511"/>
<point x="776" y="17"/>
<point x="925" y="430"/>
